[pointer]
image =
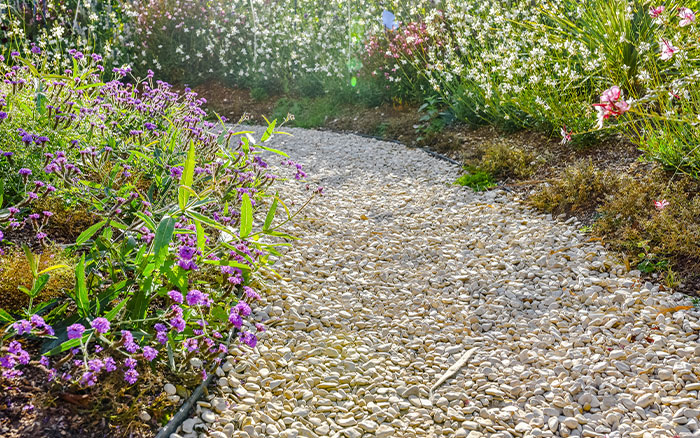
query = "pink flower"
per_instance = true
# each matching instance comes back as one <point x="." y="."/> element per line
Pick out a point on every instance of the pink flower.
<point x="566" y="135"/>
<point x="687" y="16"/>
<point x="667" y="50"/>
<point x="655" y="12"/>
<point x="660" y="205"/>
<point x="611" y="104"/>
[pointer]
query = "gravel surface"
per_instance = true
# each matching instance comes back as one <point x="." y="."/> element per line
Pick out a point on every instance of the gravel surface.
<point x="398" y="275"/>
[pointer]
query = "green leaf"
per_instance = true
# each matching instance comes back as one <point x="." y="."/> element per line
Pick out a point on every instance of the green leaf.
<point x="53" y="268"/>
<point x="112" y="313"/>
<point x="268" y="132"/>
<point x="164" y="234"/>
<point x="246" y="216"/>
<point x="31" y="259"/>
<point x="278" y="234"/>
<point x="187" y="177"/>
<point x="270" y="215"/>
<point x="39" y="285"/>
<point x="201" y="235"/>
<point x="5" y="317"/>
<point x="206" y="220"/>
<point x="275" y="151"/>
<point x="65" y="346"/>
<point x="138" y="304"/>
<point x="81" y="294"/>
<point x="147" y="220"/>
<point x="24" y="290"/>
<point x="87" y="234"/>
<point x="219" y="313"/>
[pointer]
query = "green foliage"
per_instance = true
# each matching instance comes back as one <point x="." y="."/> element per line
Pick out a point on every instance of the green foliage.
<point x="476" y="179"/>
<point x="629" y="218"/>
<point x="505" y="161"/>
<point x="168" y="220"/>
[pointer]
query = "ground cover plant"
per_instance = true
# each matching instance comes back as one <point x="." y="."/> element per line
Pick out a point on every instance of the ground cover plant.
<point x="178" y="219"/>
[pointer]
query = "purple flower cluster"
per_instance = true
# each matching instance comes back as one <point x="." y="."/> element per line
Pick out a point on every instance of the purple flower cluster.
<point x="35" y="325"/>
<point x="300" y="174"/>
<point x="75" y="331"/>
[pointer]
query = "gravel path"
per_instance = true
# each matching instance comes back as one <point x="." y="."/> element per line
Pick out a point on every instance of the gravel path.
<point x="398" y="274"/>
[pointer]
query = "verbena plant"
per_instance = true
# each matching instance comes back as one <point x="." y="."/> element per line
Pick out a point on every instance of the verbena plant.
<point x="184" y="223"/>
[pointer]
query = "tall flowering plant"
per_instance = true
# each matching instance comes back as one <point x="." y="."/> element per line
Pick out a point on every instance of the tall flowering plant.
<point x="56" y="25"/>
<point x="397" y="57"/>
<point x="184" y="224"/>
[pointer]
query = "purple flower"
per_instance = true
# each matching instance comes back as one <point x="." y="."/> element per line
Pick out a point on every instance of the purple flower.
<point x="187" y="252"/>
<point x="44" y="361"/>
<point x="110" y="364"/>
<point x="249" y="339"/>
<point x="190" y="344"/>
<point x="149" y="353"/>
<point x="40" y="236"/>
<point x="14" y="54"/>
<point x="3" y="115"/>
<point x="176" y="172"/>
<point x="243" y="308"/>
<point x="260" y="327"/>
<point x="25" y="172"/>
<point x="162" y="337"/>
<point x="251" y="293"/>
<point x="7" y="362"/>
<point x="130" y="362"/>
<point x="128" y="340"/>
<point x="75" y="331"/>
<point x="39" y="323"/>
<point x="36" y="49"/>
<point x="95" y="365"/>
<point x="14" y="348"/>
<point x="175" y="296"/>
<point x="195" y="297"/>
<point x="131" y="376"/>
<point x="235" y="319"/>
<point x="101" y="325"/>
<point x="88" y="379"/>
<point x="178" y="324"/>
<point x="187" y="265"/>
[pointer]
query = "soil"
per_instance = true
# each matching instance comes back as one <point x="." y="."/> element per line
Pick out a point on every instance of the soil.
<point x="30" y="408"/>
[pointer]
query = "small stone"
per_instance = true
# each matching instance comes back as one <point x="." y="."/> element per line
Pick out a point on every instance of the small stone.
<point x="170" y="389"/>
<point x="523" y="427"/>
<point x="188" y="425"/>
<point x="645" y="400"/>
<point x="570" y="422"/>
<point x="300" y="412"/>
<point x="208" y="416"/>
<point x="346" y="421"/>
<point x="384" y="431"/>
<point x="368" y="425"/>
